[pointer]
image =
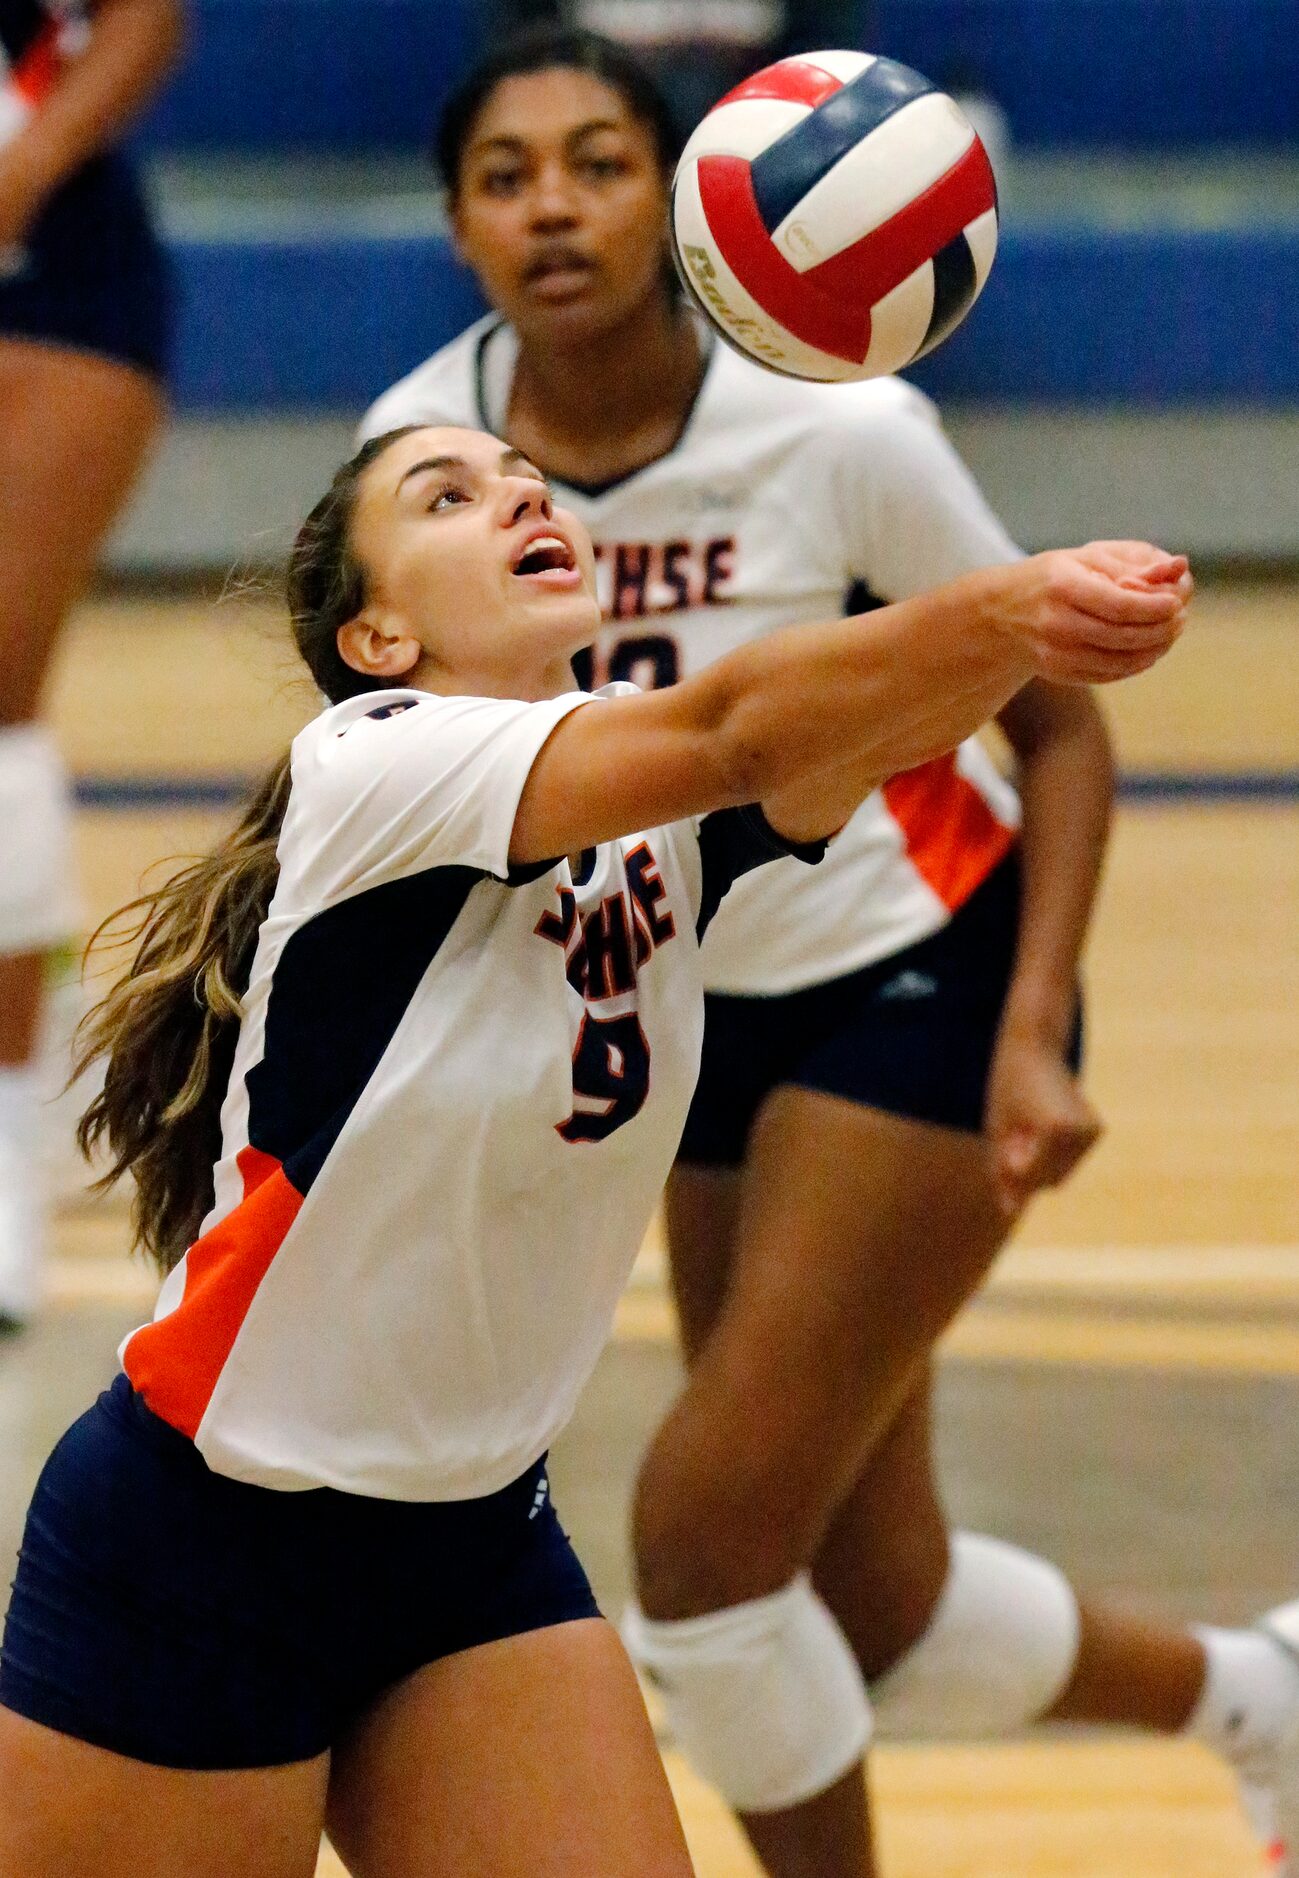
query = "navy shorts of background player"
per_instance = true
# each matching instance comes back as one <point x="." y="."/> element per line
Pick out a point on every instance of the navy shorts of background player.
<point x="91" y="273"/>
<point x="912" y="1035"/>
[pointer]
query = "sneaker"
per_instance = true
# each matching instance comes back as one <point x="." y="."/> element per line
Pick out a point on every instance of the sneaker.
<point x="1269" y="1779"/>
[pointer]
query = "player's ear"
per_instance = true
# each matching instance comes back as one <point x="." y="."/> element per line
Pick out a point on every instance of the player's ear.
<point x="377" y="645"/>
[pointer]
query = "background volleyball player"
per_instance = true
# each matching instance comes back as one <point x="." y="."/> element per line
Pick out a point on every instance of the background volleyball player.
<point x="84" y="319"/>
<point x="889" y="1058"/>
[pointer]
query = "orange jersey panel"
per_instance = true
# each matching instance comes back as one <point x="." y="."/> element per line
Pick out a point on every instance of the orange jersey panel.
<point x="176" y="1361"/>
<point x="953" y="838"/>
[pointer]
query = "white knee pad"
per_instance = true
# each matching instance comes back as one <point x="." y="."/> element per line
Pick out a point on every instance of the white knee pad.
<point x="765" y="1699"/>
<point x="38" y="903"/>
<point x="999" y="1650"/>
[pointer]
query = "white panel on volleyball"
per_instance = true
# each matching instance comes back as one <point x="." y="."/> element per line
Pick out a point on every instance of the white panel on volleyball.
<point x="845" y="66"/>
<point x="745" y="128"/>
<point x="981" y="234"/>
<point x="897" y="162"/>
<point x="735" y="310"/>
<point x="899" y="322"/>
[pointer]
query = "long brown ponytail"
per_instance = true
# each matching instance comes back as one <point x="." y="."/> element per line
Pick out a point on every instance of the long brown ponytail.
<point x="166" y="1032"/>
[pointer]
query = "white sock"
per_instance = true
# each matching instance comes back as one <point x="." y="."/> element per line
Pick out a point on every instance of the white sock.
<point x="20" y="1105"/>
<point x="1250" y="1695"/>
<point x="22" y="1197"/>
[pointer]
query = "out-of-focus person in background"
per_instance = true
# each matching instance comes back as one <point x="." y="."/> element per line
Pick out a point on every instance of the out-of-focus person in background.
<point x="84" y="325"/>
<point x="698" y="49"/>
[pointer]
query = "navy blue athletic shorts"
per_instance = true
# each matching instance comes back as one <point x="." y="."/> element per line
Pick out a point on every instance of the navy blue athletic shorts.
<point x="912" y="1034"/>
<point x="183" y="1618"/>
<point x="91" y="273"/>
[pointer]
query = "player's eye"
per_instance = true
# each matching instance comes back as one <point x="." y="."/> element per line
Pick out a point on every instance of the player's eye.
<point x="603" y="169"/>
<point x="500" y="182"/>
<point x="446" y="498"/>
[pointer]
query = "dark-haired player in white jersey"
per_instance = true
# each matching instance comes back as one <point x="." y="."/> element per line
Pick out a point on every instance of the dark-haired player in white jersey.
<point x="399" y="1071"/>
<point x="890" y="1051"/>
<point x="84" y="321"/>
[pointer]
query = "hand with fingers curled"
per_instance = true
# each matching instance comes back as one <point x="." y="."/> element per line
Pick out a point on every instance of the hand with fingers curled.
<point x="1091" y="615"/>
<point x="1038" y="1124"/>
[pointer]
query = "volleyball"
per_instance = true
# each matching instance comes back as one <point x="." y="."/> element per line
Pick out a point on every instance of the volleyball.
<point x="835" y="216"/>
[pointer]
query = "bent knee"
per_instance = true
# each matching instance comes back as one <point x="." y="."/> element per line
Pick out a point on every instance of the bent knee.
<point x="707" y="1539"/>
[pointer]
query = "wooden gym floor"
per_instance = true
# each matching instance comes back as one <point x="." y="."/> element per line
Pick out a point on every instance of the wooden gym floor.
<point x="1125" y="1396"/>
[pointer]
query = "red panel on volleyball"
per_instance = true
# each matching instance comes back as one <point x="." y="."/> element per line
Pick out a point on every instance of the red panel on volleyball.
<point x="792" y="81"/>
<point x="829" y="306"/>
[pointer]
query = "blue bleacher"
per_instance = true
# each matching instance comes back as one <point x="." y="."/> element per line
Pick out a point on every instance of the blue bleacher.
<point x="1148" y="308"/>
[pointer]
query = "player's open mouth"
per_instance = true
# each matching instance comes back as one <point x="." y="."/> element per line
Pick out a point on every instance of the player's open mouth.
<point x="559" y="272"/>
<point x="548" y="559"/>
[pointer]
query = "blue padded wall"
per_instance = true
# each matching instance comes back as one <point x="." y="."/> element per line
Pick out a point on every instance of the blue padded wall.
<point x="1134" y="73"/>
<point x="1156" y="317"/>
<point x="349" y="75"/>
<point x="1144" y="317"/>
<point x="323" y="325"/>
<point x="335" y="76"/>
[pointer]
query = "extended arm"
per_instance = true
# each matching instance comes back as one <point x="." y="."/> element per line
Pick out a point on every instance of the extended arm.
<point x="133" y="45"/>
<point x="807" y="721"/>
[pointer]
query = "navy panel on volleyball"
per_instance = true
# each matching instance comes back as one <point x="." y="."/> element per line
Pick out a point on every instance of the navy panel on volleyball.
<point x="835" y="216"/>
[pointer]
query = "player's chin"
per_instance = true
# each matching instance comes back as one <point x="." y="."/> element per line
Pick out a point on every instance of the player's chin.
<point x="583" y="316"/>
<point x="566" y="621"/>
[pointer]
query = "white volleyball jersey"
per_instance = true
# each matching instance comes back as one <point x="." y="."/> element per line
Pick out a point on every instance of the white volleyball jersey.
<point x="782" y="502"/>
<point x="456" y="1094"/>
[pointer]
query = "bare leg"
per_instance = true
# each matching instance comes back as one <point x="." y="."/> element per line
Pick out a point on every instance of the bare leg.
<point x="67" y="1807"/>
<point x="528" y="1758"/>
<point x="883" y="1562"/>
<point x="882" y="1565"/>
<point x="74" y="431"/>
<point x="1131" y="1672"/>
<point x="855" y="1238"/>
<point x="21" y="979"/>
<point x="812" y="1289"/>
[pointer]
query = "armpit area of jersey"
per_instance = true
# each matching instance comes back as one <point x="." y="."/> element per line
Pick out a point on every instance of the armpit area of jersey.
<point x="733" y="842"/>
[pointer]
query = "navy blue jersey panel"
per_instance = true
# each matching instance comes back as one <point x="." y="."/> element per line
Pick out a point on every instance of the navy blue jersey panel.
<point x="735" y="841"/>
<point x="341" y="987"/>
<point x="954" y="285"/>
<point x="787" y="169"/>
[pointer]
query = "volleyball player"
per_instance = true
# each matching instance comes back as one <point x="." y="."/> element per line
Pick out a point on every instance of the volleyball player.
<point x="84" y="319"/>
<point x="890" y="1055"/>
<point x="399" y="1090"/>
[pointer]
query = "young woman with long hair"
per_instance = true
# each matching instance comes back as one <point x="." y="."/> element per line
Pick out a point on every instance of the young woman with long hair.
<point x="399" y="1089"/>
<point x="84" y="323"/>
<point x="890" y="1056"/>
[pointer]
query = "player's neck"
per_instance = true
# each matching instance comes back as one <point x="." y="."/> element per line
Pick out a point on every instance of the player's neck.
<point x="532" y="679"/>
<point x="597" y="412"/>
